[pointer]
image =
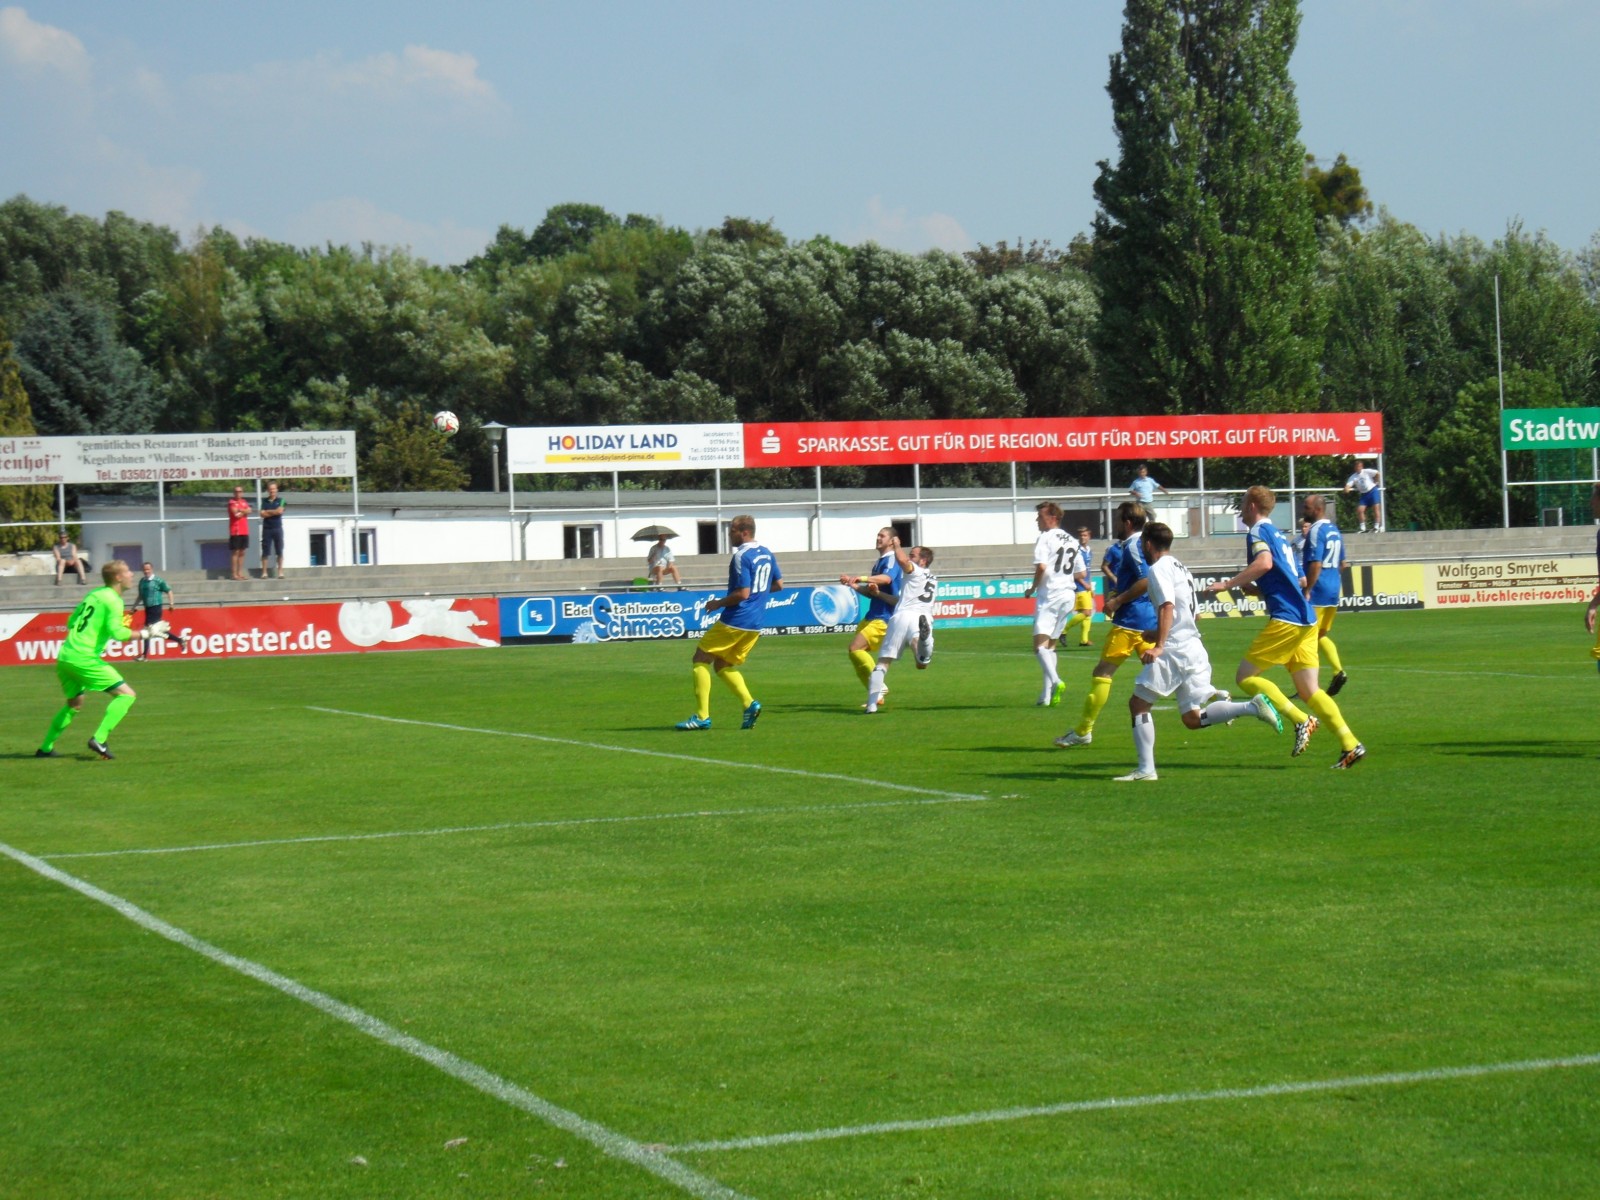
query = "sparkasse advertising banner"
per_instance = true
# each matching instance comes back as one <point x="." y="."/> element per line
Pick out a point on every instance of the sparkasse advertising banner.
<point x="536" y="451"/>
<point x="177" y="457"/>
<point x="1245" y="435"/>
<point x="253" y="631"/>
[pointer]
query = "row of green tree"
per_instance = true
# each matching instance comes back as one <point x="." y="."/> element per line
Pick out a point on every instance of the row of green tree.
<point x="1226" y="272"/>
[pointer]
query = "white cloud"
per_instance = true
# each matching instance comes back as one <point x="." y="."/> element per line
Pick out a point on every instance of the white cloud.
<point x="896" y="229"/>
<point x="351" y="220"/>
<point x="418" y="71"/>
<point x="32" y="46"/>
<point x="125" y="180"/>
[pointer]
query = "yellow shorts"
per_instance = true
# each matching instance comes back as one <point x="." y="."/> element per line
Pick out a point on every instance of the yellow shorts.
<point x="1285" y="645"/>
<point x="730" y="645"/>
<point x="874" y="632"/>
<point x="1325" y="618"/>
<point x="1125" y="643"/>
<point x="1084" y="602"/>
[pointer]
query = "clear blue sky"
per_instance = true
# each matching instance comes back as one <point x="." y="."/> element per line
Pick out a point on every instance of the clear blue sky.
<point x="429" y="124"/>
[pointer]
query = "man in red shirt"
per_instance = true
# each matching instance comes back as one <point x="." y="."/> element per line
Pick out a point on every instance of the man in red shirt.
<point x="238" y="531"/>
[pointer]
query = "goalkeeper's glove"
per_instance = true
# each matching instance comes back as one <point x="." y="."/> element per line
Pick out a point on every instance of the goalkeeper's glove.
<point x="159" y="629"/>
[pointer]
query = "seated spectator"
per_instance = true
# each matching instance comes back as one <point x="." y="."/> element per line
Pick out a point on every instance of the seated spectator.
<point x="68" y="559"/>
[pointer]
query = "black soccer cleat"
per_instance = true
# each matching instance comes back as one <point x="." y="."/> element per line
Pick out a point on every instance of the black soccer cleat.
<point x="1336" y="684"/>
<point x="44" y="753"/>
<point x="100" y="748"/>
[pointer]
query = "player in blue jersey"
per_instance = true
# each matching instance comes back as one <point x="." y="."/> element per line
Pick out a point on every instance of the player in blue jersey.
<point x="885" y="577"/>
<point x="1322" y="563"/>
<point x="752" y="575"/>
<point x="1133" y="625"/>
<point x="1083" y="602"/>
<point x="1290" y="638"/>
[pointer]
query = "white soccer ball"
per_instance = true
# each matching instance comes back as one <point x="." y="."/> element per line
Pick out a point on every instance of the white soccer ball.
<point x="446" y="422"/>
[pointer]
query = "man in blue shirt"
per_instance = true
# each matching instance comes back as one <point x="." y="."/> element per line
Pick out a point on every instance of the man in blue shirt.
<point x="886" y="576"/>
<point x="1322" y="564"/>
<point x="1144" y="488"/>
<point x="752" y="575"/>
<point x="1290" y="639"/>
<point x="1133" y="625"/>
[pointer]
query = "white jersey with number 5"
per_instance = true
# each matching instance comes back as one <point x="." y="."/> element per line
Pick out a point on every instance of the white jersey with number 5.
<point x="917" y="593"/>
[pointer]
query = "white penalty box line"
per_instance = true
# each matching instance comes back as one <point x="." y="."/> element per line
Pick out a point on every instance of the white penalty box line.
<point x="993" y="1116"/>
<point x="608" y="1141"/>
<point x="741" y="764"/>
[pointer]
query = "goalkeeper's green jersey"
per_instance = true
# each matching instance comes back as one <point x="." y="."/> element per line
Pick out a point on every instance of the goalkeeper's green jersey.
<point x="98" y="619"/>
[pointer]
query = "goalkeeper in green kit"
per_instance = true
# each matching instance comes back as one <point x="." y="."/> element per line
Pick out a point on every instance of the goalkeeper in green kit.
<point x="98" y="619"/>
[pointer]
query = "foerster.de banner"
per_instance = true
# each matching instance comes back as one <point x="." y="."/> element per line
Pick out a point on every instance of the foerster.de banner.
<point x="1045" y="439"/>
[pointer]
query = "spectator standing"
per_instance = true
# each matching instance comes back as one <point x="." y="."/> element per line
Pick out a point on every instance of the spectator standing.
<point x="238" y="533"/>
<point x="1364" y="483"/>
<point x="1144" y="487"/>
<point x="68" y="559"/>
<point x="272" y="530"/>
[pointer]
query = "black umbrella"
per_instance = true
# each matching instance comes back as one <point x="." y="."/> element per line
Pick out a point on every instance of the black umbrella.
<point x="651" y="532"/>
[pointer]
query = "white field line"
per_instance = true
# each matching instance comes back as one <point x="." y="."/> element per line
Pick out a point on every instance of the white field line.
<point x="608" y="1141"/>
<point x="559" y="823"/>
<point x="1392" y="1079"/>
<point x="738" y="763"/>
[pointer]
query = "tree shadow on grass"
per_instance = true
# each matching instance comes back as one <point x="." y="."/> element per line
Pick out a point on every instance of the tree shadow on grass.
<point x="1528" y="748"/>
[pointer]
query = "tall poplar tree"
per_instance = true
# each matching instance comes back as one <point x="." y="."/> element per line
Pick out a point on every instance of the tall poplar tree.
<point x="1206" y="250"/>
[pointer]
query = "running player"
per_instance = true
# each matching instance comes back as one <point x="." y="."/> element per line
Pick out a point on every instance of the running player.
<point x="1133" y="624"/>
<point x="1057" y="571"/>
<point x="1322" y="563"/>
<point x="100" y="618"/>
<point x="885" y="575"/>
<point x="1290" y="639"/>
<point x="912" y="620"/>
<point x="752" y="575"/>
<point x="1177" y="661"/>
<point x="1083" y="602"/>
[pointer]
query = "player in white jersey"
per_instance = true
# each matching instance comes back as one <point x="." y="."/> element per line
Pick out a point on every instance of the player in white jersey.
<point x="1177" y="664"/>
<point x="911" y="622"/>
<point x="1058" y="570"/>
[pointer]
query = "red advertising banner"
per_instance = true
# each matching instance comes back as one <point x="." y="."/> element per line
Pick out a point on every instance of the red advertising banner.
<point x="1048" y="439"/>
<point x="263" y="630"/>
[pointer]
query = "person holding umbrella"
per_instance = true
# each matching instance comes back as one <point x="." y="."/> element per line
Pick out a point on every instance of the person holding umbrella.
<point x="659" y="561"/>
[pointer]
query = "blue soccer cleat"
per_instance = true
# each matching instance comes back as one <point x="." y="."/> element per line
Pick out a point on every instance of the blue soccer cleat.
<point x="751" y="715"/>
<point x="696" y="722"/>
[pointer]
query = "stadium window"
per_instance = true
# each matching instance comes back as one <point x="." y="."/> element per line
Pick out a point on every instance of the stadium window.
<point x="366" y="547"/>
<point x="580" y="541"/>
<point x="906" y="530"/>
<point x="132" y="554"/>
<point x="710" y="538"/>
<point x="322" y="548"/>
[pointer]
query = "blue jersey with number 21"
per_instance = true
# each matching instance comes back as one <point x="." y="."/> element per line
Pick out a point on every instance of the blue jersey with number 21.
<point x="752" y="566"/>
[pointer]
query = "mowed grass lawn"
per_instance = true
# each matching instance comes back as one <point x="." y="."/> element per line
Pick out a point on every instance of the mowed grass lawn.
<point x="830" y="922"/>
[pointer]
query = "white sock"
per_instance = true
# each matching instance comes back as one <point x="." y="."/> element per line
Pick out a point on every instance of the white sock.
<point x="1144" y="741"/>
<point x="1223" y="711"/>
<point x="1047" y="664"/>
<point x="877" y="685"/>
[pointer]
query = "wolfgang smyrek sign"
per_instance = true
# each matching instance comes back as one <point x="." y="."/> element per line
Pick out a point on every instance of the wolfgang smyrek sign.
<point x="1048" y="439"/>
<point x="177" y="457"/>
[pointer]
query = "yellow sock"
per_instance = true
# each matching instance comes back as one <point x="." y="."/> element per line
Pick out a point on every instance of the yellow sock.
<point x="1099" y="693"/>
<point x="1081" y="618"/>
<point x="863" y="662"/>
<point x="702" y="690"/>
<point x="1328" y="713"/>
<point x="1260" y="685"/>
<point x="735" y="681"/>
<point x="1329" y="651"/>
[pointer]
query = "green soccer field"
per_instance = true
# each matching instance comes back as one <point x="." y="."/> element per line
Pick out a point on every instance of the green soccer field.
<point x="481" y="924"/>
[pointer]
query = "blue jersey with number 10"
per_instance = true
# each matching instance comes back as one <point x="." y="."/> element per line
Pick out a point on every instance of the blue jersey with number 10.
<point x="752" y="566"/>
<point x="1280" y="586"/>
